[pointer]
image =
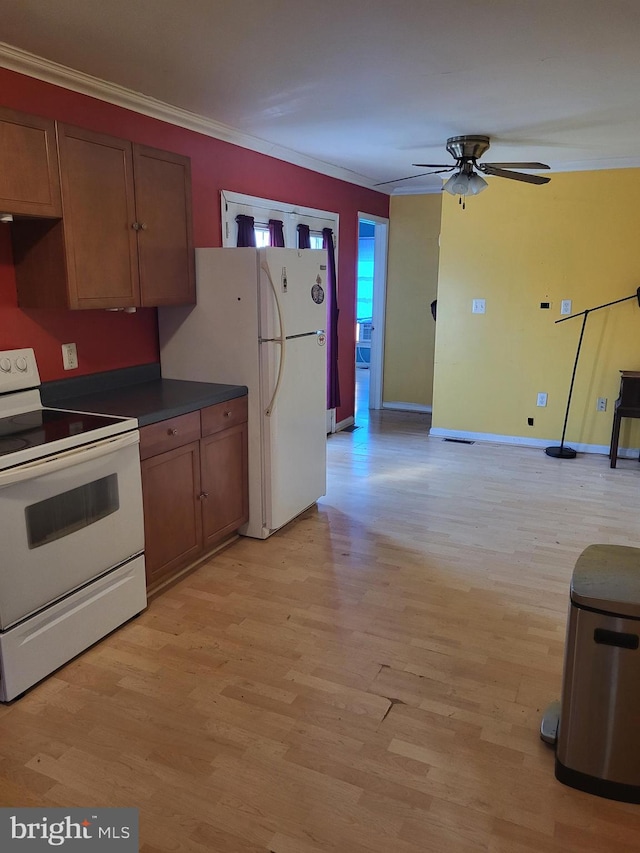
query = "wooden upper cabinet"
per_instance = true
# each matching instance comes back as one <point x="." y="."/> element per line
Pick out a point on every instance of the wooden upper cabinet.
<point x="98" y="203"/>
<point x="29" y="180"/>
<point x="165" y="242"/>
<point x="125" y="239"/>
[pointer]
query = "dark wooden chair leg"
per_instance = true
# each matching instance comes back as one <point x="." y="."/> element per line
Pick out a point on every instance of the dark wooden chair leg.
<point x="615" y="437"/>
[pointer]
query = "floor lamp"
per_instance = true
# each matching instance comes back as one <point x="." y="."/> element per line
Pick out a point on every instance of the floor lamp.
<point x="560" y="451"/>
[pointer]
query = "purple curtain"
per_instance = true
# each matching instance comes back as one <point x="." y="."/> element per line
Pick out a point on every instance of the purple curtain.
<point x="276" y="233"/>
<point x="304" y="240"/>
<point x="246" y="234"/>
<point x="333" y="385"/>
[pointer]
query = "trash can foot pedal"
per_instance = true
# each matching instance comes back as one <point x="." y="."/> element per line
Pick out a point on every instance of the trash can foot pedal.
<point x="549" y="724"/>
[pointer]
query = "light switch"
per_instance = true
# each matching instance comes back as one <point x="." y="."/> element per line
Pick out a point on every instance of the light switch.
<point x="478" y="306"/>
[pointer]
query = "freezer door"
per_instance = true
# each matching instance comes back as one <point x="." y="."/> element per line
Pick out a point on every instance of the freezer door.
<point x="293" y="291"/>
<point x="294" y="434"/>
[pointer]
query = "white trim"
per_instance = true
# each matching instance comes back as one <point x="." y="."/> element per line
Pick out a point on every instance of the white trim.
<point x="31" y="65"/>
<point x="416" y="191"/>
<point x="523" y="441"/>
<point x="347" y="422"/>
<point x="264" y="209"/>
<point x="380" y="250"/>
<point x="407" y="407"/>
<point x="257" y="201"/>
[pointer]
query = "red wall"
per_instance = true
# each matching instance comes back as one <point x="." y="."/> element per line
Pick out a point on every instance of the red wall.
<point x="108" y="340"/>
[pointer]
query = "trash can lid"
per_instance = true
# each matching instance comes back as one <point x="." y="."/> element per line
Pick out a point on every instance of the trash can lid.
<point x="607" y="577"/>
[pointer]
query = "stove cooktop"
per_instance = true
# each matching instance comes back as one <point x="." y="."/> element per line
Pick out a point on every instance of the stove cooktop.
<point x="45" y="426"/>
<point x="29" y="431"/>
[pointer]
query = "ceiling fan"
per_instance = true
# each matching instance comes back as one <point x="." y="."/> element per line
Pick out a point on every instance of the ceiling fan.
<point x="467" y="150"/>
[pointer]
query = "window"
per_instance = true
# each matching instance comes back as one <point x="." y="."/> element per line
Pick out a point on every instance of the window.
<point x="262" y="235"/>
<point x="263" y="210"/>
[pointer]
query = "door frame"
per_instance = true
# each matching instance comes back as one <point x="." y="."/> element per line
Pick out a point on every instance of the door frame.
<point x="380" y="253"/>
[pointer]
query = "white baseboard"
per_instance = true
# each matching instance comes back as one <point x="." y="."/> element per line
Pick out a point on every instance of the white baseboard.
<point x="347" y="422"/>
<point x="407" y="407"/>
<point x="523" y="441"/>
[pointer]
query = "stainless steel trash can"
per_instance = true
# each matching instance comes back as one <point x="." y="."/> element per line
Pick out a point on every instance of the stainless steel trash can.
<point x="598" y="742"/>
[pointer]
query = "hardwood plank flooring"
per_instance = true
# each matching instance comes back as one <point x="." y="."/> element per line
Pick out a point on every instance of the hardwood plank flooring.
<point x="369" y="679"/>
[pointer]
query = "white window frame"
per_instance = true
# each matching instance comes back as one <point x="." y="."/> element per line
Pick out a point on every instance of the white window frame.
<point x="264" y="209"/>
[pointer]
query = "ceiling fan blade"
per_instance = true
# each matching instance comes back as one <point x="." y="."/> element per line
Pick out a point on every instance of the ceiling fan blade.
<point x="518" y="165"/>
<point x="514" y="176"/>
<point x="434" y="165"/>
<point x="420" y="175"/>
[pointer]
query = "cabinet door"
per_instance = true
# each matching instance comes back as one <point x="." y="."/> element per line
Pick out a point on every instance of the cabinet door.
<point x="172" y="511"/>
<point x="165" y="238"/>
<point x="29" y="180"/>
<point x="99" y="219"/>
<point x="224" y="483"/>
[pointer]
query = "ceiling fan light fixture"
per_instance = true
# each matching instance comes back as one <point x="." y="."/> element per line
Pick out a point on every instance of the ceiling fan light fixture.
<point x="477" y="183"/>
<point x="463" y="183"/>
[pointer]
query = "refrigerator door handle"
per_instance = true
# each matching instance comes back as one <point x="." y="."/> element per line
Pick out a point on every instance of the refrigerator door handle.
<point x="281" y="340"/>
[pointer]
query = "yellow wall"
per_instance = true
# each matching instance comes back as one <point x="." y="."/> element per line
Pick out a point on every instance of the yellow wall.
<point x="516" y="246"/>
<point x="412" y="281"/>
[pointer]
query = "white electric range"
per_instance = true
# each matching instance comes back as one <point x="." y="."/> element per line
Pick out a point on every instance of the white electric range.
<point x="71" y="527"/>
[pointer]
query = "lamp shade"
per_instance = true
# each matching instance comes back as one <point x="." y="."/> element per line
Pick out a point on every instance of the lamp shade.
<point x="463" y="183"/>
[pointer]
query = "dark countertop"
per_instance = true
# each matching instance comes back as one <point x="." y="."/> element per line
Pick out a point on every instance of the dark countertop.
<point x="138" y="392"/>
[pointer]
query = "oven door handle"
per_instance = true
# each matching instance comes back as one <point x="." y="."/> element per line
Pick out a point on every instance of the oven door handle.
<point x="76" y="456"/>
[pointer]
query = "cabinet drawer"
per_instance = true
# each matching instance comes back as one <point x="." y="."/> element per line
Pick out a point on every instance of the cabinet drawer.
<point x="165" y="435"/>
<point x="224" y="415"/>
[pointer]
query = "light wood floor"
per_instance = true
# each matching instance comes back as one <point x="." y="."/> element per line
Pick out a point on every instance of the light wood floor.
<point x="370" y="679"/>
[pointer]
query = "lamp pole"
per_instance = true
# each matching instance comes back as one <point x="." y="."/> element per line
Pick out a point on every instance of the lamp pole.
<point x="560" y="451"/>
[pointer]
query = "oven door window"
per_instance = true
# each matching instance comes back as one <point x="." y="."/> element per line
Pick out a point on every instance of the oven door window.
<point x="70" y="511"/>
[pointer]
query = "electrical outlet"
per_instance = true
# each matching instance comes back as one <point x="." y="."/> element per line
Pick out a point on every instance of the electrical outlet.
<point x="542" y="399"/>
<point x="478" y="306"/>
<point x="601" y="405"/>
<point x="69" y="356"/>
<point x="565" y="306"/>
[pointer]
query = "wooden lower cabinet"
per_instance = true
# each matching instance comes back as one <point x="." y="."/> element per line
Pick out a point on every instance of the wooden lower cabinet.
<point x="195" y="490"/>
<point x="172" y="515"/>
<point x="223" y="460"/>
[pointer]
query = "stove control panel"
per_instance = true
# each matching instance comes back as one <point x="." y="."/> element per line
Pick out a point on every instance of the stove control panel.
<point x="18" y="370"/>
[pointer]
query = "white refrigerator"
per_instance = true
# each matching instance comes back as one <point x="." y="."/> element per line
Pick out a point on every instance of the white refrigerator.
<point x="260" y="321"/>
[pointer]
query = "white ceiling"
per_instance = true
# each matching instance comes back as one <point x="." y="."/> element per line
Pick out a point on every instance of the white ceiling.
<point x="368" y="86"/>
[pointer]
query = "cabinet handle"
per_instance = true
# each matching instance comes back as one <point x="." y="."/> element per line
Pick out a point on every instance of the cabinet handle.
<point x="135" y="226"/>
<point x="203" y="495"/>
<point x="227" y="414"/>
<point x="143" y="226"/>
<point x="172" y="431"/>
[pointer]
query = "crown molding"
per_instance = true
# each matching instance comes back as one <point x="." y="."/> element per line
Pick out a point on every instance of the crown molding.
<point x="417" y="190"/>
<point x="23" y="62"/>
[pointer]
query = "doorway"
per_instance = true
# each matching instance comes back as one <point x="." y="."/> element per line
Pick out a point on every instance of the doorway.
<point x="370" y="304"/>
